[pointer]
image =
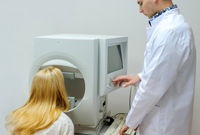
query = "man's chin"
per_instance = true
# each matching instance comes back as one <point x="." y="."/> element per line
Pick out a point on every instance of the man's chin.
<point x="146" y="15"/>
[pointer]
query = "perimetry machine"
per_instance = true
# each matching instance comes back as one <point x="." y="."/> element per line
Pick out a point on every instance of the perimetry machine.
<point x="88" y="63"/>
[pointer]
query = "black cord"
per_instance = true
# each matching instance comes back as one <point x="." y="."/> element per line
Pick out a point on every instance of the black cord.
<point x="108" y="120"/>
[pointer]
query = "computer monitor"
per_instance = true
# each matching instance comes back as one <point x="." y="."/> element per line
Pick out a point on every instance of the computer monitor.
<point x="113" y="62"/>
<point x="114" y="59"/>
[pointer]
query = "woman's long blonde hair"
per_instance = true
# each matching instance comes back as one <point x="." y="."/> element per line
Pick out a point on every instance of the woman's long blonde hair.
<point x="47" y="100"/>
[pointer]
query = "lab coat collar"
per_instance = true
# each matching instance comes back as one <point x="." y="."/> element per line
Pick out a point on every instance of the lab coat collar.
<point x="157" y="20"/>
<point x="162" y="12"/>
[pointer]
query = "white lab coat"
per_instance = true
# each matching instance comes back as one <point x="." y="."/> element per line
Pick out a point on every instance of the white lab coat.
<point x="163" y="102"/>
<point x="62" y="126"/>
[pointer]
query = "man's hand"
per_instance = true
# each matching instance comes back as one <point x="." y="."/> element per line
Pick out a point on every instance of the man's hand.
<point x="123" y="129"/>
<point x="126" y="80"/>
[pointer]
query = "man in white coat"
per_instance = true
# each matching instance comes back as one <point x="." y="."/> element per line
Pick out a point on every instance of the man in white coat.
<point x="163" y="102"/>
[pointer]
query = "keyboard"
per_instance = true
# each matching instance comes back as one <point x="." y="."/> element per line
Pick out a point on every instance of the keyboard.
<point x="118" y="122"/>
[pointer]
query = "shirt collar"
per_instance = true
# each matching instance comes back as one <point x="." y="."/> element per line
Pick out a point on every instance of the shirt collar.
<point x="160" y="13"/>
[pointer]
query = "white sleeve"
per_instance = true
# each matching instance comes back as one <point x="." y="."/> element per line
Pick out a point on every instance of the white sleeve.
<point x="159" y="74"/>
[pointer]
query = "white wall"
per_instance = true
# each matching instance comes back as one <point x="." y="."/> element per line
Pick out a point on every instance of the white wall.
<point x="21" y="20"/>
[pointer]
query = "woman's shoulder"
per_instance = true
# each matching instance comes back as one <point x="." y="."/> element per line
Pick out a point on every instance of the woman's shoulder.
<point x="62" y="126"/>
<point x="66" y="124"/>
<point x="64" y="118"/>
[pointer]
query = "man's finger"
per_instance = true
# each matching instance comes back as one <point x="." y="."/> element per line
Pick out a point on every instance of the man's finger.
<point x="120" y="78"/>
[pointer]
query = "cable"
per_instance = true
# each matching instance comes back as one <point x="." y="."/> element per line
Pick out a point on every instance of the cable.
<point x="132" y="88"/>
<point x="130" y="96"/>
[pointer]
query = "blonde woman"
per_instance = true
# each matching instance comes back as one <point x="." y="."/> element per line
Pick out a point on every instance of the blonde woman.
<point x="43" y="113"/>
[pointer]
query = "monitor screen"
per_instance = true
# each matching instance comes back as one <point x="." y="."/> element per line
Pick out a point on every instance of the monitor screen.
<point x="114" y="58"/>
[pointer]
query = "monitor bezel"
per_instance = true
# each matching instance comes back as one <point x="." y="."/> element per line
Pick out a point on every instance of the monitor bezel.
<point x="106" y="78"/>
